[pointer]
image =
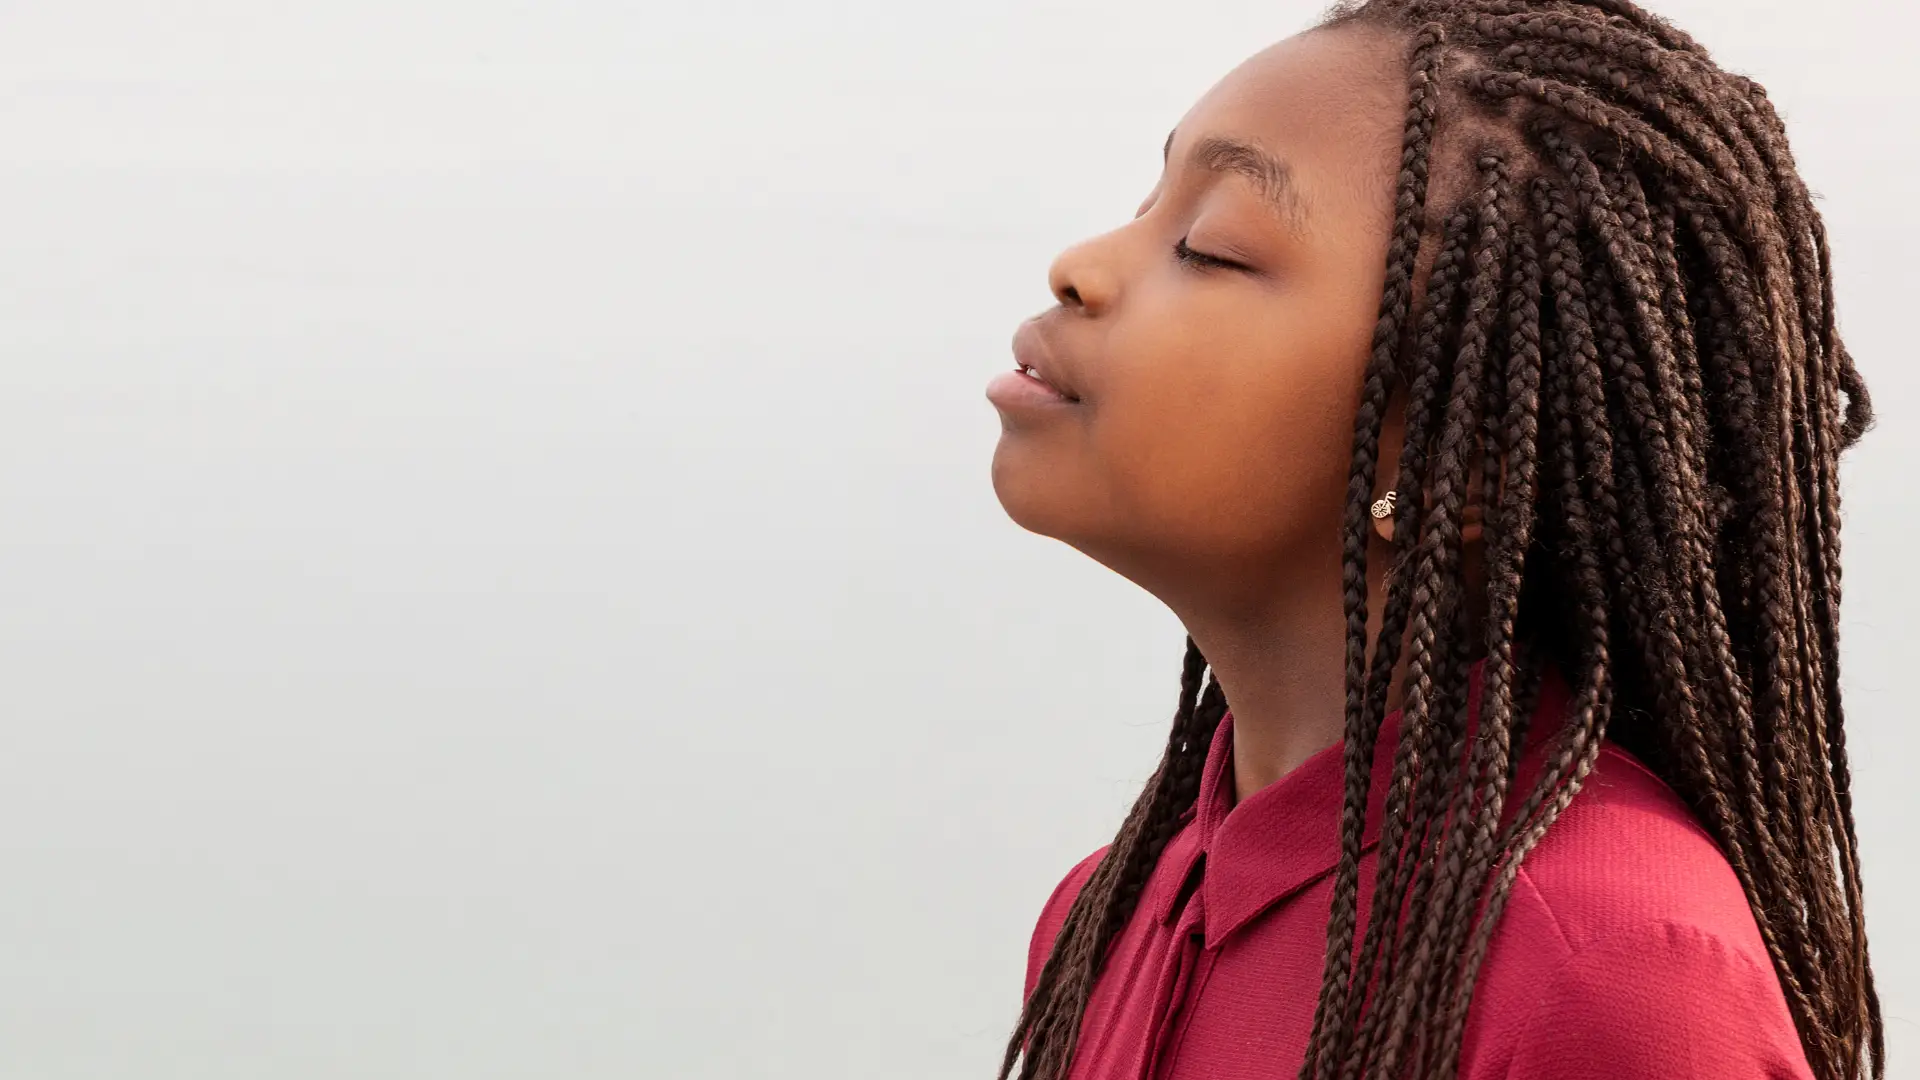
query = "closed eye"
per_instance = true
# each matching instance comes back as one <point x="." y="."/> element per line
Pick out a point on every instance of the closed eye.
<point x="1200" y="258"/>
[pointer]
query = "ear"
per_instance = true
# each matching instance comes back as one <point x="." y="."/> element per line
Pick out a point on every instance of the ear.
<point x="1472" y="518"/>
<point x="1393" y="436"/>
<point x="1382" y="513"/>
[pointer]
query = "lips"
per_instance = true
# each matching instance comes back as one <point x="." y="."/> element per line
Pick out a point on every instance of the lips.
<point x="1036" y="360"/>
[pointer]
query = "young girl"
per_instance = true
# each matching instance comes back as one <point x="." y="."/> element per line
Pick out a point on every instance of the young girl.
<point x="1469" y="388"/>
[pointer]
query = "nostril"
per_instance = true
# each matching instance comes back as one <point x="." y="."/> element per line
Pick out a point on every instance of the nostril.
<point x="1071" y="295"/>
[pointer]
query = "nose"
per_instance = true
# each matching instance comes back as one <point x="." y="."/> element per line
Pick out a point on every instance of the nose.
<point x="1082" y="278"/>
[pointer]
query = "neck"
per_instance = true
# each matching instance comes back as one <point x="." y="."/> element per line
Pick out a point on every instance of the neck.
<point x="1283" y="668"/>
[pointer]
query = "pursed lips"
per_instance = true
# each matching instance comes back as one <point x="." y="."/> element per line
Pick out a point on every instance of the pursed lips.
<point x="1034" y="359"/>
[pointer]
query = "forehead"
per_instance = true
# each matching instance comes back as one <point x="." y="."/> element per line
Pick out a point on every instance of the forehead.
<point x="1327" y="103"/>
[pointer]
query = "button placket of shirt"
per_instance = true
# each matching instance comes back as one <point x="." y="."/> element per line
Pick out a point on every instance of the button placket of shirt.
<point x="1170" y="1007"/>
<point x="1195" y="985"/>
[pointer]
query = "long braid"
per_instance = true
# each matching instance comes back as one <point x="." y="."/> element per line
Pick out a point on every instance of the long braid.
<point x="1625" y="355"/>
<point x="1514" y="440"/>
<point x="1045" y="1033"/>
<point x="1429" y="374"/>
<point x="1361" y="721"/>
<point x="1419" y="730"/>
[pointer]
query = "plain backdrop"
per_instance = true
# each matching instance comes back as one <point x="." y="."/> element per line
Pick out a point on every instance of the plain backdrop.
<point x="498" y="573"/>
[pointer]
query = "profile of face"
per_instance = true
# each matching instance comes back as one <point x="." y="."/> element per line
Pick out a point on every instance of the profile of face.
<point x="1184" y="413"/>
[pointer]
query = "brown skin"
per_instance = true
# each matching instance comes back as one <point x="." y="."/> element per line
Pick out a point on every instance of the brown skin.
<point x="1206" y="449"/>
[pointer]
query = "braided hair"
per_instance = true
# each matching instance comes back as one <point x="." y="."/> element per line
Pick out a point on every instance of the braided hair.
<point x="1624" y="330"/>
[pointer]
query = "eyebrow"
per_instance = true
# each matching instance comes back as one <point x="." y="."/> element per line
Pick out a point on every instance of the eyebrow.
<point x="1270" y="176"/>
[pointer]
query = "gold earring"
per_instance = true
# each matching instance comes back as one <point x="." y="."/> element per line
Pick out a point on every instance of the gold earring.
<point x="1383" y="515"/>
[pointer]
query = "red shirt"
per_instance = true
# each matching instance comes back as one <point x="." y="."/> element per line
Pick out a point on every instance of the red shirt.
<point x="1627" y="948"/>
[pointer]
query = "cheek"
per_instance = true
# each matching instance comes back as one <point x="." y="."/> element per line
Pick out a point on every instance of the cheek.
<point x="1236" y="433"/>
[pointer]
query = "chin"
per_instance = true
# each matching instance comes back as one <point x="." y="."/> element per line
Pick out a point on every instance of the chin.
<point x="1034" y="492"/>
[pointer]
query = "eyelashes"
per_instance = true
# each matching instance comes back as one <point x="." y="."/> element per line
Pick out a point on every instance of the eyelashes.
<point x="1200" y="258"/>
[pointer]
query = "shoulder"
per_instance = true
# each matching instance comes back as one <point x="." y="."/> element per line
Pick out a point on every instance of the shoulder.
<point x="1627" y="852"/>
<point x="1659" y="999"/>
<point x="1629" y="949"/>
<point x="1054" y="913"/>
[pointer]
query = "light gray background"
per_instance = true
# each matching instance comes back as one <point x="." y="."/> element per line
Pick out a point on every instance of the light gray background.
<point x="498" y="575"/>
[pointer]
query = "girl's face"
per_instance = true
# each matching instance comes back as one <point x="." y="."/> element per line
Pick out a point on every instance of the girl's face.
<point x="1209" y="352"/>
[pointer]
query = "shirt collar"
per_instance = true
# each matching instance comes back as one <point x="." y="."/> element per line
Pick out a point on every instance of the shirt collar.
<point x="1287" y="835"/>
